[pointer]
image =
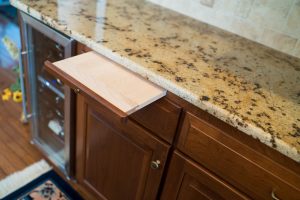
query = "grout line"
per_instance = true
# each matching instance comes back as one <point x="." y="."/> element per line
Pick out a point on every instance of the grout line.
<point x="287" y="17"/>
<point x="294" y="51"/>
<point x="285" y="24"/>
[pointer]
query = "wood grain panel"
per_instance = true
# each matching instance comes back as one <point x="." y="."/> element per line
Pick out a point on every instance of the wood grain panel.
<point x="160" y="117"/>
<point x="187" y="180"/>
<point x="81" y="48"/>
<point x="243" y="167"/>
<point x="113" y="156"/>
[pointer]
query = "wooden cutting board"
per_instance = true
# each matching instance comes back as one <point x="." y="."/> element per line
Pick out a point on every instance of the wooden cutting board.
<point x="122" y="88"/>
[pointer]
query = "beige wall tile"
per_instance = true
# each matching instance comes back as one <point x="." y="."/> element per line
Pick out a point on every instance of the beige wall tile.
<point x="257" y="14"/>
<point x="243" y="8"/>
<point x="209" y="3"/>
<point x="279" y="41"/>
<point x="178" y="5"/>
<point x="222" y="20"/>
<point x="275" y="23"/>
<point x="271" y="13"/>
<point x="202" y="13"/>
<point x="226" y="6"/>
<point x="192" y="8"/>
<point x="246" y="29"/>
<point x="293" y="22"/>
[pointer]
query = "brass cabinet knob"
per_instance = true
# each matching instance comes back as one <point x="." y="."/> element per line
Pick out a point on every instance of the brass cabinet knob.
<point x="77" y="90"/>
<point x="155" y="164"/>
<point x="273" y="195"/>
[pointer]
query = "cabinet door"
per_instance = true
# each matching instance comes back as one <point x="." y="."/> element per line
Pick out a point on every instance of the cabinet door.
<point x="116" y="159"/>
<point x="186" y="180"/>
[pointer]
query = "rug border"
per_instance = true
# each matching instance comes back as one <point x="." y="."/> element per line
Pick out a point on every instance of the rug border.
<point x="21" y="178"/>
<point x="52" y="175"/>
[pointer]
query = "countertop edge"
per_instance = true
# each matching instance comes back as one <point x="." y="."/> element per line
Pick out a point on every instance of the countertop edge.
<point x="216" y="111"/>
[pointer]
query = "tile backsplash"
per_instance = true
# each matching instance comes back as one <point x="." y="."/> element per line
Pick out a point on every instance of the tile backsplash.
<point x="274" y="23"/>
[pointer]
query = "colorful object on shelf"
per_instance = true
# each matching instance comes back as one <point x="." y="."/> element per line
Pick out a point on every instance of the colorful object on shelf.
<point x="11" y="47"/>
<point x="17" y="96"/>
<point x="17" y="85"/>
<point x="15" y="88"/>
<point x="6" y="94"/>
<point x="9" y="39"/>
<point x="56" y="127"/>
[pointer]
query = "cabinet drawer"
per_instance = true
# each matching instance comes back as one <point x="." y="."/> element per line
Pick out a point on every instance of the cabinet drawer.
<point x="107" y="82"/>
<point x="160" y="117"/>
<point x="186" y="180"/>
<point x="237" y="163"/>
<point x="81" y="48"/>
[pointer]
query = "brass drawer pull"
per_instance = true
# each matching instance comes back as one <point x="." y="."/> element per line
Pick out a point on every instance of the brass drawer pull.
<point x="155" y="164"/>
<point x="77" y="90"/>
<point x="273" y="195"/>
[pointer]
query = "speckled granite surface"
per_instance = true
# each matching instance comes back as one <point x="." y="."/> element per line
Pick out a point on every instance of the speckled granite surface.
<point x="249" y="86"/>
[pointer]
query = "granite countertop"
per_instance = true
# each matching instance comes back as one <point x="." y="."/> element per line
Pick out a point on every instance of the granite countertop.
<point x="245" y="84"/>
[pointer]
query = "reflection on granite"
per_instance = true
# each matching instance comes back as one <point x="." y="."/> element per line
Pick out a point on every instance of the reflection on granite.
<point x="249" y="86"/>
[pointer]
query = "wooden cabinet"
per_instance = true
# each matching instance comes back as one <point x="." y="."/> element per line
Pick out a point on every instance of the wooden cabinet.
<point x="246" y="168"/>
<point x="186" y="180"/>
<point x="116" y="159"/>
<point x="122" y="155"/>
<point x="82" y="48"/>
<point x="160" y="117"/>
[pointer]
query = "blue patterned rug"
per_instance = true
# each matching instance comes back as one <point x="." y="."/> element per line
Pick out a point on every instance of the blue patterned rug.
<point x="49" y="186"/>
